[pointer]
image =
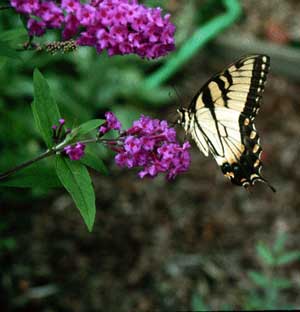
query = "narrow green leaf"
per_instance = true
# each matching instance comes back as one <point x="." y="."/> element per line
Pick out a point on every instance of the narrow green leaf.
<point x="265" y="253"/>
<point x="44" y="107"/>
<point x="84" y="128"/>
<point x="288" y="257"/>
<point x="36" y="174"/>
<point x="75" y="178"/>
<point x="259" y="279"/>
<point x="89" y="126"/>
<point x="93" y="161"/>
<point x="7" y="51"/>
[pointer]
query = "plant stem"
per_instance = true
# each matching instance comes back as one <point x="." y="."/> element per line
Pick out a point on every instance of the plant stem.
<point x="26" y="164"/>
<point x="48" y="153"/>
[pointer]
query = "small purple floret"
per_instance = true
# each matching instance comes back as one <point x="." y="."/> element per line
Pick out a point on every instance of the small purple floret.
<point x="36" y="28"/>
<point x="111" y="123"/>
<point x="75" y="152"/>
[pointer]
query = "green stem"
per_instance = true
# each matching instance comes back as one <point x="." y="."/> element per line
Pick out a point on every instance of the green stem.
<point x="58" y="148"/>
<point x="201" y="36"/>
<point x="26" y="164"/>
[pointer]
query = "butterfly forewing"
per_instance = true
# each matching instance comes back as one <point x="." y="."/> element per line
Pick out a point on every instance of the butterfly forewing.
<point x="221" y="117"/>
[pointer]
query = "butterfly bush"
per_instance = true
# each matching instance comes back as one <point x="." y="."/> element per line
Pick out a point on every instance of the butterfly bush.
<point x="118" y="26"/>
<point x="151" y="145"/>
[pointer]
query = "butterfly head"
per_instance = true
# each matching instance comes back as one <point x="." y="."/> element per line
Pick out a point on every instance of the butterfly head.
<point x="184" y="118"/>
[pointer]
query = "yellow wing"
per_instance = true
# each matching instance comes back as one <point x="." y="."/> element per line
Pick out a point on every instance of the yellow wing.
<point x="221" y="118"/>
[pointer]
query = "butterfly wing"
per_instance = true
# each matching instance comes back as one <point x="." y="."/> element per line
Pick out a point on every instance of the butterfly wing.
<point x="222" y="118"/>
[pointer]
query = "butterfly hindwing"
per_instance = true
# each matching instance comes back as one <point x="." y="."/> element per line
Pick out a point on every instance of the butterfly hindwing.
<point x="221" y="118"/>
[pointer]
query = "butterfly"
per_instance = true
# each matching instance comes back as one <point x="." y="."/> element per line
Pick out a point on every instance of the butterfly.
<point x="221" y="117"/>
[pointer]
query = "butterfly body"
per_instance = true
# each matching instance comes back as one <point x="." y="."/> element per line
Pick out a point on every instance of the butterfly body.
<point x="221" y="116"/>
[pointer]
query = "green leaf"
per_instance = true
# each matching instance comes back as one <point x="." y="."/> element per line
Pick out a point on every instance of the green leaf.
<point x="44" y="107"/>
<point x="15" y="34"/>
<point x="7" y="51"/>
<point x="36" y="174"/>
<point x="265" y="253"/>
<point x="75" y="178"/>
<point x="288" y="258"/>
<point x="93" y="161"/>
<point x="259" y="279"/>
<point x="84" y="128"/>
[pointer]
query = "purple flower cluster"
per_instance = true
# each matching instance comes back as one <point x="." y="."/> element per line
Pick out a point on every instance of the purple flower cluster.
<point x="75" y="152"/>
<point x="111" y="123"/>
<point x="119" y="26"/>
<point x="151" y="144"/>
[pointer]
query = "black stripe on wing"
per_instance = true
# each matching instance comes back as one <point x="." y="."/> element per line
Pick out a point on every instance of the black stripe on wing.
<point x="261" y="66"/>
<point x="239" y="87"/>
<point x="246" y="170"/>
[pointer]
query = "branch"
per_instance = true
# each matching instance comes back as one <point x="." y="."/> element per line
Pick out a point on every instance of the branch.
<point x="26" y="164"/>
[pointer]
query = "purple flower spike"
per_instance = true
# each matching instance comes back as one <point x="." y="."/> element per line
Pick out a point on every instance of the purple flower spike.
<point x="61" y="121"/>
<point x="75" y="152"/>
<point x="152" y="145"/>
<point x="117" y="26"/>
